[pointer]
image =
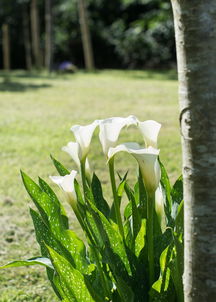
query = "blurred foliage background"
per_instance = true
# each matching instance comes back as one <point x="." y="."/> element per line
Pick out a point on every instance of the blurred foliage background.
<point x="125" y="33"/>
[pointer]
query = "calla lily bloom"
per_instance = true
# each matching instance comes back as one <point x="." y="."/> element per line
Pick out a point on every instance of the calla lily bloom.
<point x="74" y="150"/>
<point x="148" y="162"/>
<point x="149" y="130"/>
<point x="159" y="207"/>
<point x="110" y="129"/>
<point x="83" y="136"/>
<point x="66" y="183"/>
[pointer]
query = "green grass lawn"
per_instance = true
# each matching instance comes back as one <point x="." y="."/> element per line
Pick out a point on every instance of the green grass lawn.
<point x="35" y="117"/>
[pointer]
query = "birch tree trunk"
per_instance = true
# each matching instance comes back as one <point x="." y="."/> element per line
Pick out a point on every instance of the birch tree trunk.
<point x="48" y="35"/>
<point x="86" y="38"/>
<point x="195" y="29"/>
<point x="35" y="34"/>
<point x="26" y="37"/>
<point x="6" y="47"/>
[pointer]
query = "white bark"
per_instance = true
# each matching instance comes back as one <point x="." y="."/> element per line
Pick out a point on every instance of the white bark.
<point x="195" y="28"/>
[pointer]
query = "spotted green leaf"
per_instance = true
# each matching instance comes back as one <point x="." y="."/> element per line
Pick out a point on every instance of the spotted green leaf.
<point x="59" y="167"/>
<point x="71" y="280"/>
<point x="32" y="261"/>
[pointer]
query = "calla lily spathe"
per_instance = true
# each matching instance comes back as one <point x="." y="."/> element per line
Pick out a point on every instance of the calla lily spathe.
<point x="148" y="162"/>
<point x="74" y="150"/>
<point x="83" y="136"/>
<point x="150" y="130"/>
<point x="159" y="207"/>
<point x="66" y="183"/>
<point x="110" y="129"/>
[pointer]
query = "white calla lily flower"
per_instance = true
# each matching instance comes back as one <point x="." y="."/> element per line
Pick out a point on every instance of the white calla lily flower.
<point x="150" y="130"/>
<point x="148" y="162"/>
<point x="159" y="207"/>
<point x="66" y="183"/>
<point x="74" y="150"/>
<point x="110" y="129"/>
<point x="83" y="136"/>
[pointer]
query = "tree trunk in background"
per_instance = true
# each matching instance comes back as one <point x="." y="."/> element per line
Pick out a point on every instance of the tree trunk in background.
<point x="6" y="47"/>
<point x="196" y="53"/>
<point x="86" y="38"/>
<point x="26" y="37"/>
<point x="48" y="35"/>
<point x="35" y="35"/>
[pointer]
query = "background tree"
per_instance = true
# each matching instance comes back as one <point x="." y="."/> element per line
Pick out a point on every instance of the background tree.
<point x="125" y="33"/>
<point x="86" y="37"/>
<point x="196" y="48"/>
<point x="26" y="35"/>
<point x="48" y="35"/>
<point x="6" y="46"/>
<point x="35" y="34"/>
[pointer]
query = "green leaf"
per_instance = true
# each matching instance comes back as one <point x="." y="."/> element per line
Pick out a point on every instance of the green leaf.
<point x="136" y="219"/>
<point x="51" y="214"/>
<point x="166" y="185"/>
<point x="114" y="249"/>
<point x="47" y="205"/>
<point x="66" y="243"/>
<point x="78" y="192"/>
<point x="177" y="263"/>
<point x="179" y="222"/>
<point x="162" y="290"/>
<point x="46" y="188"/>
<point x="128" y="210"/>
<point x="177" y="190"/>
<point x="160" y="243"/>
<point x="99" y="200"/>
<point x="141" y="194"/>
<point x="124" y="290"/>
<point x="94" y="232"/>
<point x="128" y="231"/>
<point x="71" y="280"/>
<point x="177" y="266"/>
<point x="44" y="236"/>
<point x="32" y="261"/>
<point x="95" y="285"/>
<point x="59" y="167"/>
<point x="120" y="191"/>
<point x="57" y="283"/>
<point x="37" y="195"/>
<point x="140" y="238"/>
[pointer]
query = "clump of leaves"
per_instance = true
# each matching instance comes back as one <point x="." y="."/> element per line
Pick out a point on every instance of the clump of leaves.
<point x="137" y="256"/>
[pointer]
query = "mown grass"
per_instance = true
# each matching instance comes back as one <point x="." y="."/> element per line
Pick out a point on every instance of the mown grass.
<point x="36" y="114"/>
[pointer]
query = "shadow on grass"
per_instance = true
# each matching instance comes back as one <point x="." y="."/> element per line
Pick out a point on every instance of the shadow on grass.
<point x="9" y="84"/>
<point x="19" y="87"/>
<point x="27" y="74"/>
<point x="22" y="74"/>
<point x="153" y="74"/>
<point x="162" y="75"/>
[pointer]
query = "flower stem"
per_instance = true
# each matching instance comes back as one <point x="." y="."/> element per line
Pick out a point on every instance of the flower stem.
<point x="150" y="236"/>
<point x="82" y="163"/>
<point x="115" y="196"/>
